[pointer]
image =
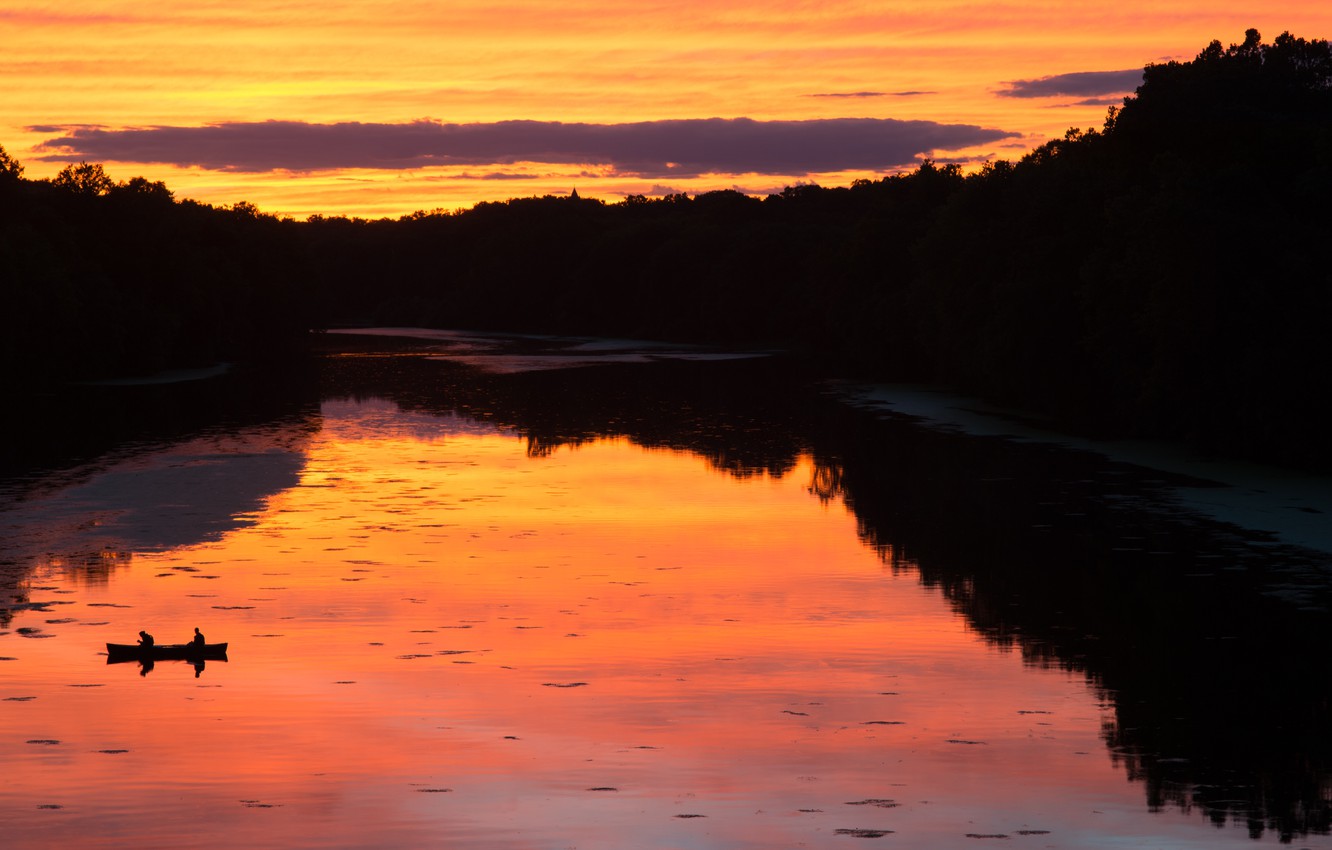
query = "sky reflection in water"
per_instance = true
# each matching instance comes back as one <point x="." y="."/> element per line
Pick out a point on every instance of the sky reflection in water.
<point x="439" y="639"/>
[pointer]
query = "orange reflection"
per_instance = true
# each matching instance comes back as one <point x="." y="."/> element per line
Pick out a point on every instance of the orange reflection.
<point x="438" y="638"/>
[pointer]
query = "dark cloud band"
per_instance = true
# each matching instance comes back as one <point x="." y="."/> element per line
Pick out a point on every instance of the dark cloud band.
<point x="652" y="149"/>
<point x="1079" y="84"/>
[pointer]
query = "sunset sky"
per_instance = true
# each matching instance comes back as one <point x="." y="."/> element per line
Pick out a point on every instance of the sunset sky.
<point x="378" y="109"/>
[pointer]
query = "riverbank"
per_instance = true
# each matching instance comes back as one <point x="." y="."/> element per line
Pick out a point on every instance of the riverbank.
<point x="1294" y="507"/>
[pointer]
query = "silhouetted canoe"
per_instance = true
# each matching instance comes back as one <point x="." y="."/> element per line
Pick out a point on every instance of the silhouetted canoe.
<point x="166" y="652"/>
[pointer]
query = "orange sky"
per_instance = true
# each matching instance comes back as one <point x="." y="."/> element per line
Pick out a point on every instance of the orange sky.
<point x="349" y="79"/>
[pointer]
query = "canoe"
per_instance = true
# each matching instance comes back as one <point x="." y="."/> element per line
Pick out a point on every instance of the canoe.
<point x="166" y="652"/>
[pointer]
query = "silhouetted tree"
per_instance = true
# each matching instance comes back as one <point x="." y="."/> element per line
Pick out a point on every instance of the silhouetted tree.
<point x="10" y="168"/>
<point x="142" y="187"/>
<point x="84" y="179"/>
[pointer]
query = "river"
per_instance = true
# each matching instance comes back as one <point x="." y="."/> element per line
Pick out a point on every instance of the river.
<point x="488" y="592"/>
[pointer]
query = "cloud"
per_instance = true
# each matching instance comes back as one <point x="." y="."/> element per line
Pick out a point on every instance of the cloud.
<point x="870" y="94"/>
<point x="496" y="175"/>
<point x="1079" y="84"/>
<point x="849" y="94"/>
<point x="649" y="149"/>
<point x="47" y="17"/>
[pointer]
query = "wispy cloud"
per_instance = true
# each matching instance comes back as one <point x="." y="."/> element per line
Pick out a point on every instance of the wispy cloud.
<point x="35" y="17"/>
<point x="1078" y="84"/>
<point x="649" y="149"/>
<point x="855" y="94"/>
<point x="495" y="175"/>
<point x="660" y="191"/>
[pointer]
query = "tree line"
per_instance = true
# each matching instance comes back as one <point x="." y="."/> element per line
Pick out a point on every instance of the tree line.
<point x="1164" y="274"/>
<point x="103" y="278"/>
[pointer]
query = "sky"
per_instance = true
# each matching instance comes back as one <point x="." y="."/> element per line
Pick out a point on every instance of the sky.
<point x="373" y="109"/>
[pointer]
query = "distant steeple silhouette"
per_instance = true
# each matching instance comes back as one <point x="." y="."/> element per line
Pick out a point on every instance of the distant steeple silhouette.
<point x="573" y="196"/>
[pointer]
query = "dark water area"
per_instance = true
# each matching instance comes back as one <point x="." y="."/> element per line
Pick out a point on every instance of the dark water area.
<point x="1204" y="644"/>
<point x="64" y="425"/>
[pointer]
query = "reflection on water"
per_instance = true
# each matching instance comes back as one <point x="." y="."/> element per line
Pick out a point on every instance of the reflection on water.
<point x="657" y="605"/>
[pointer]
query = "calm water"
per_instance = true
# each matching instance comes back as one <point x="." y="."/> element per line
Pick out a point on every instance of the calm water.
<point x="679" y="604"/>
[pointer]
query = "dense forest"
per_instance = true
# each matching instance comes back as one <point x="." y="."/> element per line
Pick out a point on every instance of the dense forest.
<point x="1165" y="274"/>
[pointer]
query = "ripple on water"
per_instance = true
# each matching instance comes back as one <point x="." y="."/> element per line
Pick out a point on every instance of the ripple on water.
<point x="863" y="833"/>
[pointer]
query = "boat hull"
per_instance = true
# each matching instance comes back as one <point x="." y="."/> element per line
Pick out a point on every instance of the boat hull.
<point x="116" y="652"/>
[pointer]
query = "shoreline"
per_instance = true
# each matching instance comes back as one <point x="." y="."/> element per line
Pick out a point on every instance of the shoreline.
<point x="1294" y="507"/>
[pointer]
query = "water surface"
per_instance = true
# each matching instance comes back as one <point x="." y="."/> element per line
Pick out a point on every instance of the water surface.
<point x="624" y="606"/>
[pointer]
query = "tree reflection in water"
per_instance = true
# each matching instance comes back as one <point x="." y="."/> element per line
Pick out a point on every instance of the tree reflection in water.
<point x="1219" y="688"/>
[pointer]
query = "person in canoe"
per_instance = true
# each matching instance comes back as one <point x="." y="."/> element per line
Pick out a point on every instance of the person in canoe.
<point x="198" y="641"/>
<point x="145" y="640"/>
